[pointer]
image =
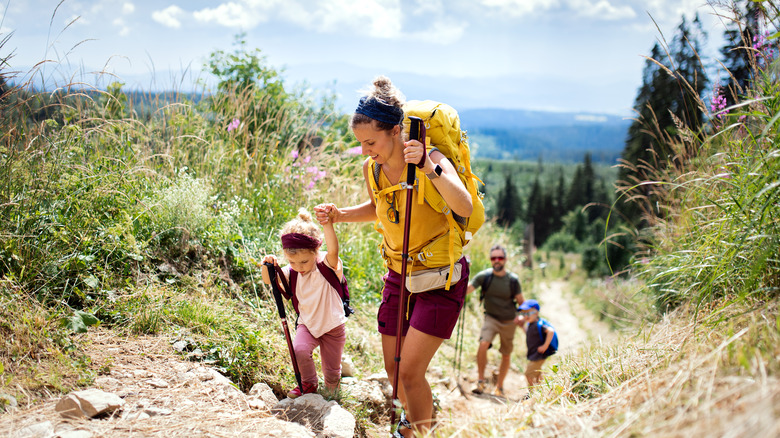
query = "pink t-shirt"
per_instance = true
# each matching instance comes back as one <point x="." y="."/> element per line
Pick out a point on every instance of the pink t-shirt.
<point x="320" y="306"/>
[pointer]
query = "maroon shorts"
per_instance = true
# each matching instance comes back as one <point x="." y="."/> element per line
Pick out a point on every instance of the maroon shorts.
<point x="434" y="312"/>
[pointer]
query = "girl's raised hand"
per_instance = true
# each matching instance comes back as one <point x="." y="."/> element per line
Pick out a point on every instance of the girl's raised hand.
<point x="326" y="213"/>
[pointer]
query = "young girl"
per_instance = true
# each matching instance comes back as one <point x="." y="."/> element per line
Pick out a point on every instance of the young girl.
<point x="321" y="316"/>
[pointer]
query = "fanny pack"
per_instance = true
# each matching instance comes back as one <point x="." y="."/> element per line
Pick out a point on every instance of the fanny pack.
<point x="432" y="278"/>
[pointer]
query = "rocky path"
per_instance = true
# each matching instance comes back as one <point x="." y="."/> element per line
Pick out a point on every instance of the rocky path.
<point x="163" y="395"/>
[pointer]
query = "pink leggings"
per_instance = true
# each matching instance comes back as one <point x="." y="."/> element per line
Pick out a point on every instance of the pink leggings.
<point x="331" y="346"/>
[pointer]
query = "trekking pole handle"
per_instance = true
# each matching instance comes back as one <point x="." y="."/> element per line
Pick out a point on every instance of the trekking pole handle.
<point x="275" y="289"/>
<point x="416" y="132"/>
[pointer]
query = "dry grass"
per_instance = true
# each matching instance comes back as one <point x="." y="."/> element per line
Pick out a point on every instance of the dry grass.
<point x="685" y="376"/>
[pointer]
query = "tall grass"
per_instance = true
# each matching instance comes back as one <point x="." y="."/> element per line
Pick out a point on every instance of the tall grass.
<point x="718" y="231"/>
<point x="108" y="209"/>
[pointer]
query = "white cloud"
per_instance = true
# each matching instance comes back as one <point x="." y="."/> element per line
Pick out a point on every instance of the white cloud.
<point x="520" y="8"/>
<point x="590" y="118"/>
<point x="245" y="15"/>
<point x="124" y="29"/>
<point x="442" y="32"/>
<point x="384" y="19"/>
<point x="376" y="18"/>
<point x="169" y="16"/>
<point x="670" y="11"/>
<point x="128" y="8"/>
<point x="601" y="9"/>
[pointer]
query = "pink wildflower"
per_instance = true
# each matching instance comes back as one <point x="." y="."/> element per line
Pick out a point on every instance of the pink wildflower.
<point x="233" y="124"/>
<point x="718" y="104"/>
<point x="294" y="154"/>
<point x="357" y="150"/>
<point x="307" y="159"/>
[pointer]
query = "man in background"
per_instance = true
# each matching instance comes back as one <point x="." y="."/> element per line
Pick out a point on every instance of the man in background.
<point x="500" y="291"/>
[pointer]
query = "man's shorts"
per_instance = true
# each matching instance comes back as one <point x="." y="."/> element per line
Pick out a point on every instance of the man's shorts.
<point x="504" y="329"/>
<point x="434" y="312"/>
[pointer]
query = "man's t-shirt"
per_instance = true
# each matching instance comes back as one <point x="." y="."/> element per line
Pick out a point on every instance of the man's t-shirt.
<point x="499" y="302"/>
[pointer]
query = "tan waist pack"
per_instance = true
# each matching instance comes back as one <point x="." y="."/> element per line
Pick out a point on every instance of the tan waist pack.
<point x="433" y="278"/>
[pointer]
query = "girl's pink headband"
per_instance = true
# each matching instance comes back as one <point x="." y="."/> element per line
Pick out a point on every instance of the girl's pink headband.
<point x="299" y="241"/>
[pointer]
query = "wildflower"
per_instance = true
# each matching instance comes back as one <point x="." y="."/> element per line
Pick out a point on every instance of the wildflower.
<point x="312" y="169"/>
<point x="718" y="104"/>
<point x="321" y="174"/>
<point x="233" y="124"/>
<point x="357" y="150"/>
<point x="310" y="186"/>
<point x="294" y="154"/>
<point x="307" y="159"/>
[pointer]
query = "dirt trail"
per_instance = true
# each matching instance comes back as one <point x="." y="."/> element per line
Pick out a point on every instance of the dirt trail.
<point x="576" y="326"/>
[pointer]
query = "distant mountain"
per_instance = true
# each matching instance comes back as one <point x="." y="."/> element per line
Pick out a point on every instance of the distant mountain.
<point x="551" y="136"/>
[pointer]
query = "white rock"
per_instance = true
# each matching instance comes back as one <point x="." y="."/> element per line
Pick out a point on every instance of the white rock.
<point x="264" y="393"/>
<point x="44" y="429"/>
<point x="89" y="403"/>
<point x="347" y="367"/>
<point x="157" y="383"/>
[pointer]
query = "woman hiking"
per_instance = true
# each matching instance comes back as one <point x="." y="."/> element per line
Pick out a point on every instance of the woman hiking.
<point x="430" y="316"/>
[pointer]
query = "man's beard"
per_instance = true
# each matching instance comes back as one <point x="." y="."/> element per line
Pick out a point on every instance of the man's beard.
<point x="498" y="268"/>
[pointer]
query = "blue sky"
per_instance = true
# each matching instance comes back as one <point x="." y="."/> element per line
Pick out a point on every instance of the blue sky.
<point x="560" y="55"/>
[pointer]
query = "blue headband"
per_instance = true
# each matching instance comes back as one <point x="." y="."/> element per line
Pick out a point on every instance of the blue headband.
<point x="380" y="111"/>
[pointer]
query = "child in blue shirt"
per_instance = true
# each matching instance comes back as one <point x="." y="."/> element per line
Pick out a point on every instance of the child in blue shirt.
<point x="539" y="334"/>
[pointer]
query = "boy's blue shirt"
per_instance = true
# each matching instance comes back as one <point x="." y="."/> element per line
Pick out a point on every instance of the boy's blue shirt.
<point x="553" y="347"/>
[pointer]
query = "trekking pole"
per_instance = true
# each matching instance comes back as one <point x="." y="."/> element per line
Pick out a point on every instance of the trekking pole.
<point x="459" y="348"/>
<point x="416" y="132"/>
<point x="283" y="319"/>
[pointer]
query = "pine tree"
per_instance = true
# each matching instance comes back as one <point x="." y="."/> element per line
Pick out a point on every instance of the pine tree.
<point x="737" y="53"/>
<point x="560" y="202"/>
<point x="576" y="195"/>
<point x="508" y="205"/>
<point x="668" y="98"/>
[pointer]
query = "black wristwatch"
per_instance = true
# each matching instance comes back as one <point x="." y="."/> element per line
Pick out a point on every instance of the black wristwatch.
<point x="437" y="170"/>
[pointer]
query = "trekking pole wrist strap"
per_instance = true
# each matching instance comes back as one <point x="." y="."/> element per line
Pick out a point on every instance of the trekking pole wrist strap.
<point x="424" y="157"/>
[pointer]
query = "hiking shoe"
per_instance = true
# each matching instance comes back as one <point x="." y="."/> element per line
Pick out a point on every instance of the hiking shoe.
<point x="480" y="387"/>
<point x="308" y="388"/>
<point x="499" y="392"/>
<point x="403" y="422"/>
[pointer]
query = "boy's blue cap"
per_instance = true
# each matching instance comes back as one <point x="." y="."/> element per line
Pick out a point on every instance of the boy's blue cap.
<point x="529" y="304"/>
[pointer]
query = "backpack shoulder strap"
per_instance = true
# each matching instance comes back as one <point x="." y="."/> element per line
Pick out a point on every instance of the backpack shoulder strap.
<point x="340" y="285"/>
<point x="332" y="278"/>
<point x="485" y="285"/>
<point x="514" y="285"/>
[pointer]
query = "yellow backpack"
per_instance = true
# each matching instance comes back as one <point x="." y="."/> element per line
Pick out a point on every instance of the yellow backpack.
<point x="443" y="133"/>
